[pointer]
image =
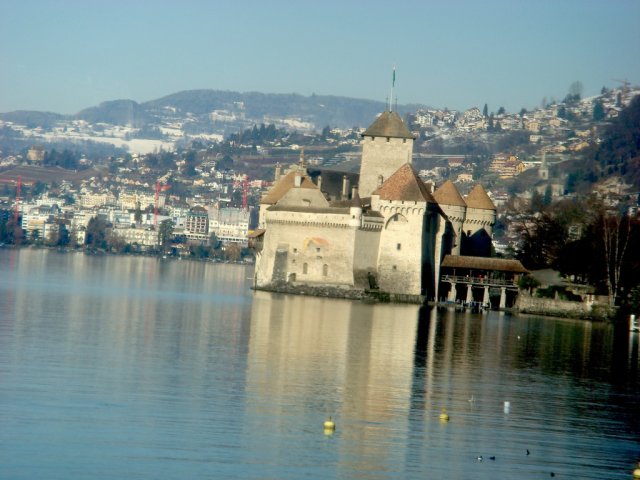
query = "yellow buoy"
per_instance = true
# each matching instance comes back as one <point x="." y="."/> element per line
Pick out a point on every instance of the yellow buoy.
<point x="444" y="416"/>
<point x="329" y="425"/>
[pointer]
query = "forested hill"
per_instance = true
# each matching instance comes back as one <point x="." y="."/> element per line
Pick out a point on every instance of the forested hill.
<point x="619" y="152"/>
<point x="248" y="108"/>
<point x="318" y="109"/>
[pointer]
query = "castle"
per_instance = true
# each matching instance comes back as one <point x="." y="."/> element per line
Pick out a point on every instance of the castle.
<point x="381" y="231"/>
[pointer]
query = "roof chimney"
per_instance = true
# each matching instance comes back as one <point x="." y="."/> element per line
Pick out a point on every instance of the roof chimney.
<point x="345" y="187"/>
<point x="297" y="180"/>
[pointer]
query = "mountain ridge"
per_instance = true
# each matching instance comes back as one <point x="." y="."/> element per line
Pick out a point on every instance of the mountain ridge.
<point x="209" y="106"/>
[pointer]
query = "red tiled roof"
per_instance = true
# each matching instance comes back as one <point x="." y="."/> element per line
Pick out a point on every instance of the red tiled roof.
<point x="404" y="185"/>
<point x="478" y="198"/>
<point x="448" y="194"/>
<point x="283" y="185"/>
<point x="483" y="263"/>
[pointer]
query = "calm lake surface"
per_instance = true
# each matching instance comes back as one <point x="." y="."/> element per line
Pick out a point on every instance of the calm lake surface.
<point x="139" y="368"/>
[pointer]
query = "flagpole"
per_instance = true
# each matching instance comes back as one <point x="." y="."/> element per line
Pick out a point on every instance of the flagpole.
<point x="393" y="82"/>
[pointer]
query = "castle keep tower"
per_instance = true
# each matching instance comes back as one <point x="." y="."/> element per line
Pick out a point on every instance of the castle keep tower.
<point x="386" y="145"/>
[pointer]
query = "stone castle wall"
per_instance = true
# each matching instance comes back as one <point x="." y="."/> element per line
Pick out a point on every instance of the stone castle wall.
<point x="456" y="215"/>
<point x="365" y="261"/>
<point x="310" y="248"/>
<point x="383" y="157"/>
<point x="401" y="251"/>
<point x="478" y="218"/>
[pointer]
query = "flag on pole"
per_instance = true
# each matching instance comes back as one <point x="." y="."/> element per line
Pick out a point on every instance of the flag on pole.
<point x="393" y="82"/>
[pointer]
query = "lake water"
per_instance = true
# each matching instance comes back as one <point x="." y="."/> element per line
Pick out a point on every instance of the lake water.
<point x="139" y="368"/>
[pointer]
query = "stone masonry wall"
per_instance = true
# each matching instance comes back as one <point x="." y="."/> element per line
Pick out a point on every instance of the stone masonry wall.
<point x="401" y="248"/>
<point x="381" y="158"/>
<point x="319" y="248"/>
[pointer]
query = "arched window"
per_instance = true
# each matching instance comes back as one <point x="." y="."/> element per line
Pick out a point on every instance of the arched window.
<point x="325" y="270"/>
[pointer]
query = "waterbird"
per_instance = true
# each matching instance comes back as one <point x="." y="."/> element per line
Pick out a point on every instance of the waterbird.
<point x="471" y="400"/>
<point x="528" y="452"/>
<point x="492" y="458"/>
<point x="553" y="474"/>
<point x="480" y="458"/>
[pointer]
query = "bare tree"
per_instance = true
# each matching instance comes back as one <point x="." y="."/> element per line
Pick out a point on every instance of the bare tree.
<point x="576" y="89"/>
<point x="616" y="231"/>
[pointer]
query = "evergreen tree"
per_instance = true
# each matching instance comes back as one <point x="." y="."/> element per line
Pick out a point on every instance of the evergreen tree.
<point x="485" y="111"/>
<point x="165" y="234"/>
<point x="598" y="111"/>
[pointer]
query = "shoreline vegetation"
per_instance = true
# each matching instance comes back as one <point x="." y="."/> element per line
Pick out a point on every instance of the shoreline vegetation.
<point x="244" y="260"/>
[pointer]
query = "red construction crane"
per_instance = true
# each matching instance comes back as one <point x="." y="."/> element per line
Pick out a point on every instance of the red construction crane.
<point x="159" y="188"/>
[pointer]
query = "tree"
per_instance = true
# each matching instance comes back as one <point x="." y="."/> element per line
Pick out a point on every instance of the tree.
<point x="213" y="241"/>
<point x="63" y="237"/>
<point x="598" y="111"/>
<point x="547" y="196"/>
<point x="232" y="252"/>
<point x="190" y="163"/>
<point x="615" y="231"/>
<point x="165" y="234"/>
<point x="501" y="111"/>
<point x="38" y="188"/>
<point x="562" y="112"/>
<point x="96" y="233"/>
<point x="523" y="112"/>
<point x="35" y="236"/>
<point x="137" y="215"/>
<point x="576" y="89"/>
<point x="575" y="92"/>
<point x="225" y="164"/>
<point x="485" y="111"/>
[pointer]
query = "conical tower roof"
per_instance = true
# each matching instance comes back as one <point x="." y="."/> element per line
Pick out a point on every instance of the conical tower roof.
<point x="355" y="200"/>
<point x="448" y="194"/>
<point x="388" y="124"/>
<point x="405" y="185"/>
<point x="478" y="198"/>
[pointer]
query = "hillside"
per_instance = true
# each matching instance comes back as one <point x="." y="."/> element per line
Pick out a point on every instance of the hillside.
<point x="617" y="154"/>
<point x="117" y="112"/>
<point x="223" y="111"/>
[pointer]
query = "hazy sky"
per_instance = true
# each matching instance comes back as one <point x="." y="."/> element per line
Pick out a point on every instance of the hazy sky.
<point x="66" y="55"/>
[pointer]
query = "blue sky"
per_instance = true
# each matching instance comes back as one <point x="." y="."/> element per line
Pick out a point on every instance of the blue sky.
<point x="66" y="55"/>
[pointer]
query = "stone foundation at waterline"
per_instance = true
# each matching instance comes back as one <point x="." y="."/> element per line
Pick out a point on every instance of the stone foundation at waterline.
<point x="562" y="308"/>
